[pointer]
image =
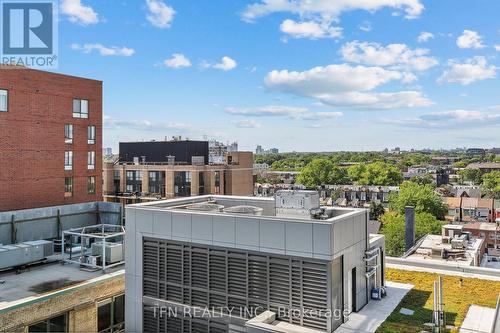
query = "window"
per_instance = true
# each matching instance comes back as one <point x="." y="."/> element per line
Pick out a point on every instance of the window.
<point x="68" y="160"/>
<point x="4" y="100"/>
<point x="91" y="160"/>
<point x="134" y="181"/>
<point x="91" y="135"/>
<point x="68" y="187"/>
<point x="80" y="108"/>
<point x="116" y="174"/>
<point x="55" y="324"/>
<point x="68" y="133"/>
<point x="91" y="185"/>
<point x="111" y="315"/>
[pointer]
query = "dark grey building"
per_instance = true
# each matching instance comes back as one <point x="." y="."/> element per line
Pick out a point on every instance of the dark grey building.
<point x="182" y="152"/>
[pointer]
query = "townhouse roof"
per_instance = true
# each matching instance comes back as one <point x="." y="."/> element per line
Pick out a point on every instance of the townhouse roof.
<point x="469" y="202"/>
<point x="453" y="202"/>
<point x="485" y="203"/>
<point x="482" y="226"/>
<point x="485" y="165"/>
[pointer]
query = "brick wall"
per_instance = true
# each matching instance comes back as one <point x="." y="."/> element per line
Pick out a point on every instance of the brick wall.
<point x="32" y="138"/>
<point x="80" y="304"/>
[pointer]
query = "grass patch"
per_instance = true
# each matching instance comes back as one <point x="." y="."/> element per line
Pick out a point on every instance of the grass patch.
<point x="457" y="296"/>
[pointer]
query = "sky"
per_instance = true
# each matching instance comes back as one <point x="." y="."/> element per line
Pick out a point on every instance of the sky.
<point x="298" y="75"/>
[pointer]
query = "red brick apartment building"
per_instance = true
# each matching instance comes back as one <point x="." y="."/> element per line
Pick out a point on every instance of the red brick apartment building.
<point x="50" y="139"/>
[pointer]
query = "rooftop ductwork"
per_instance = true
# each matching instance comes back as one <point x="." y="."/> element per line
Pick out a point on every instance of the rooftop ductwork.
<point x="205" y="207"/>
<point x="244" y="210"/>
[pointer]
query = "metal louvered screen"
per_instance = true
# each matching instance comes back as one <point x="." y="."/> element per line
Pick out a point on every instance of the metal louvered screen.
<point x="154" y="322"/>
<point x="206" y="276"/>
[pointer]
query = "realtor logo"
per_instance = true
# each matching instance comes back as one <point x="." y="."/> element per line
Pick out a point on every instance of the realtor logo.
<point x="29" y="33"/>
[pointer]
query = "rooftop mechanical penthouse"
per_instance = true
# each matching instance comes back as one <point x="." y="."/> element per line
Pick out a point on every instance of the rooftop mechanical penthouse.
<point x="294" y="264"/>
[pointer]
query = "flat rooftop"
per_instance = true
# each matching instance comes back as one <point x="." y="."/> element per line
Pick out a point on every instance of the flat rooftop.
<point x="44" y="279"/>
<point x="242" y="206"/>
<point x="432" y="245"/>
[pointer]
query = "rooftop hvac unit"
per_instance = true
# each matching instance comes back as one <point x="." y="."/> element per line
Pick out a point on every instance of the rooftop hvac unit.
<point x="197" y="160"/>
<point x="113" y="251"/>
<point x="47" y="246"/>
<point x="244" y="210"/>
<point x="20" y="254"/>
<point x="459" y="243"/>
<point x="205" y="207"/>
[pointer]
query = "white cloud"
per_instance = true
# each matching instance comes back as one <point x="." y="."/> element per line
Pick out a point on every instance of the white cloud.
<point x="160" y="15"/>
<point x="425" y="36"/>
<point x="79" y="13"/>
<point x="497" y="47"/>
<point x="310" y="29"/>
<point x="103" y="50"/>
<point x="226" y="64"/>
<point x="345" y="85"/>
<point x="450" y="119"/>
<point x="390" y="55"/>
<point x="143" y="125"/>
<point x="292" y="112"/>
<point x="470" y="40"/>
<point x="247" y="123"/>
<point x="178" y="60"/>
<point x="473" y="69"/>
<point x="329" y="10"/>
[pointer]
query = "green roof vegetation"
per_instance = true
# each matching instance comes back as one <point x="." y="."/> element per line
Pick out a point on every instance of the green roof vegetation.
<point x="458" y="293"/>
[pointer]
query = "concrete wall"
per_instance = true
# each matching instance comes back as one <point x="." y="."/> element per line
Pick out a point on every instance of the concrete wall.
<point x="42" y="223"/>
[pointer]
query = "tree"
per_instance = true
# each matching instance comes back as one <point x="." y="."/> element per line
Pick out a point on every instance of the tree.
<point x="472" y="175"/>
<point x="376" y="210"/>
<point x="422" y="197"/>
<point x="425" y="179"/>
<point x="393" y="228"/>
<point x="321" y="171"/>
<point x="377" y="173"/>
<point x="491" y="184"/>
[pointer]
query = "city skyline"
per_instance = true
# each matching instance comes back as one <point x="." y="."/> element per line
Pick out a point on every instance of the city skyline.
<point x="335" y="76"/>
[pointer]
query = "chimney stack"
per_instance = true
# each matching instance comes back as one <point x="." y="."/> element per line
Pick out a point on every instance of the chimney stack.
<point x="409" y="227"/>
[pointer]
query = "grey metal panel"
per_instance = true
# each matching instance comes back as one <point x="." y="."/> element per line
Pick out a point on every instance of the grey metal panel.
<point x="162" y="222"/>
<point x="247" y="232"/>
<point x="322" y="242"/>
<point x="144" y="220"/>
<point x="224" y="228"/>
<point x="202" y="227"/>
<point x="299" y="237"/>
<point x="272" y="234"/>
<point x="181" y="225"/>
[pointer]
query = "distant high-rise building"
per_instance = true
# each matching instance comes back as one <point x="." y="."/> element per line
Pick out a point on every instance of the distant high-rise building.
<point x="107" y="151"/>
<point x="232" y="147"/>
<point x="50" y="139"/>
<point x="261" y="151"/>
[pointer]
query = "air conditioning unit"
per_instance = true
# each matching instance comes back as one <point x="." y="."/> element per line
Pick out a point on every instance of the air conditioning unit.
<point x="113" y="252"/>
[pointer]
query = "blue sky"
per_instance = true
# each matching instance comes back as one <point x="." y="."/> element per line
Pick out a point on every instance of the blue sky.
<point x="314" y="75"/>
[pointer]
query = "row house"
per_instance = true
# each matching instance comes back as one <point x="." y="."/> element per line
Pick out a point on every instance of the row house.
<point x="358" y="196"/>
<point x="467" y="209"/>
